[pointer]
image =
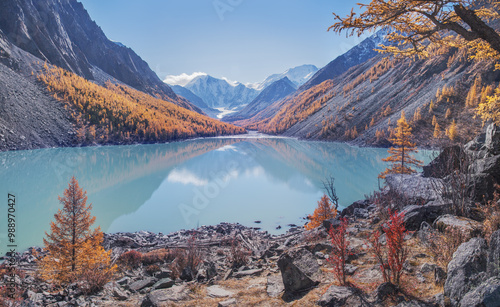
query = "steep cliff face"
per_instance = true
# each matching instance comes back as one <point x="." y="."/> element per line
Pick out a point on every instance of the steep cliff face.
<point x="62" y="33"/>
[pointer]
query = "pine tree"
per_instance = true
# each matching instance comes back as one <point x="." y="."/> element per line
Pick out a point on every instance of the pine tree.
<point x="452" y="131"/>
<point x="325" y="210"/>
<point x="437" y="131"/>
<point x="74" y="250"/>
<point x="401" y="157"/>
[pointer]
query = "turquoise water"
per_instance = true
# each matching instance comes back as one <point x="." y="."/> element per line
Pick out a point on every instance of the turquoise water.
<point x="168" y="187"/>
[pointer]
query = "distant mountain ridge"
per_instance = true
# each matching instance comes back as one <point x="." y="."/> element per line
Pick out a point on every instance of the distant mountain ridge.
<point x="218" y="93"/>
<point x="221" y="93"/>
<point x="297" y="75"/>
<point x="274" y="92"/>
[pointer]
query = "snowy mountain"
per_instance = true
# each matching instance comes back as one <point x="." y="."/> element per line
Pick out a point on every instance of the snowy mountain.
<point x="219" y="93"/>
<point x="297" y="75"/>
<point x="274" y="92"/>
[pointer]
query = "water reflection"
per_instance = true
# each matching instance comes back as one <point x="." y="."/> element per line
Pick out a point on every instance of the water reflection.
<point x="173" y="186"/>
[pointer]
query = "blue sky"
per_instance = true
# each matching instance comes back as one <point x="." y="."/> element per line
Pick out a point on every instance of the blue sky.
<point x="242" y="40"/>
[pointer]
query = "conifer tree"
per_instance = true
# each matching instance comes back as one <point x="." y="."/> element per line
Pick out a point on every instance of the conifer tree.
<point x="401" y="157"/>
<point x="325" y="210"/>
<point x="74" y="250"/>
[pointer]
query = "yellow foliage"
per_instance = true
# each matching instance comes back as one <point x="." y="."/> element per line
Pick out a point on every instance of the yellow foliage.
<point x="325" y="210"/>
<point x="437" y="131"/>
<point x="74" y="251"/>
<point x="401" y="159"/>
<point x="125" y="114"/>
<point x="490" y="110"/>
<point x="452" y="131"/>
<point x="417" y="115"/>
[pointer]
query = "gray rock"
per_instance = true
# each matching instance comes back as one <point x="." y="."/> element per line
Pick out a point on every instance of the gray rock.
<point x="244" y="273"/>
<point x="274" y="285"/>
<point x="493" y="267"/>
<point x="360" y="204"/>
<point x="466" y="270"/>
<point x="123" y="281"/>
<point x="229" y="302"/>
<point x="361" y="213"/>
<point x="416" y="214"/>
<point x="384" y="290"/>
<point x="341" y="296"/>
<point x="299" y="270"/>
<point x="413" y="303"/>
<point x="486" y="294"/>
<point x="439" y="276"/>
<point x="119" y="294"/>
<point x="228" y="274"/>
<point x="187" y="274"/>
<point x="427" y="267"/>
<point x="327" y="224"/>
<point x="415" y="186"/>
<point x="163" y="283"/>
<point x="161" y="297"/>
<point x="164" y="273"/>
<point x="141" y="284"/>
<point x="218" y="292"/>
<point x="350" y="269"/>
<point x="465" y="225"/>
<point x="447" y="161"/>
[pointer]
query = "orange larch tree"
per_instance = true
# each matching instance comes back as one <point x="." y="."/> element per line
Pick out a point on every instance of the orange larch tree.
<point x="74" y="250"/>
<point x="401" y="157"/>
<point x="325" y="210"/>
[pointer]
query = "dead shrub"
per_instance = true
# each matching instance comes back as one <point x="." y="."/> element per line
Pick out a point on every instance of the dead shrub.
<point x="131" y="259"/>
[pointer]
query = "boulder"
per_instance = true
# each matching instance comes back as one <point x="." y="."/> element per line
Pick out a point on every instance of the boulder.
<point x="187" y="274"/>
<point x="384" y="290"/>
<point x="467" y="226"/>
<point x="218" y="292"/>
<point x="229" y="302"/>
<point x="493" y="266"/>
<point x="416" y="214"/>
<point x="163" y="283"/>
<point x="162" y="297"/>
<point x="164" y="273"/>
<point x="447" y="161"/>
<point x="119" y="294"/>
<point x="439" y="276"/>
<point x="415" y="186"/>
<point x="244" y="273"/>
<point x="486" y="294"/>
<point x="274" y="285"/>
<point x="466" y="270"/>
<point x="331" y="223"/>
<point x="360" y="204"/>
<point x="142" y="283"/>
<point x="341" y="296"/>
<point x="299" y="270"/>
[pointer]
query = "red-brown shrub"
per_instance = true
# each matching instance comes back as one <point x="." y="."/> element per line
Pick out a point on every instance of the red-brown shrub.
<point x="131" y="259"/>
<point x="340" y="250"/>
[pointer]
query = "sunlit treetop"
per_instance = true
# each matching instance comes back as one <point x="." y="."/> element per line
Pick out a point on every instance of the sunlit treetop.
<point x="418" y="27"/>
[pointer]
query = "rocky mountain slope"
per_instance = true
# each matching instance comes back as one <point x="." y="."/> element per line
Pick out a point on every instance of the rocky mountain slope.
<point x="363" y="104"/>
<point x="354" y="56"/>
<point x="62" y="33"/>
<point x="274" y="92"/>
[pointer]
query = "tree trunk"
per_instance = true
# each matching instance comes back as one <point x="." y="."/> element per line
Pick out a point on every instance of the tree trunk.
<point x="478" y="26"/>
